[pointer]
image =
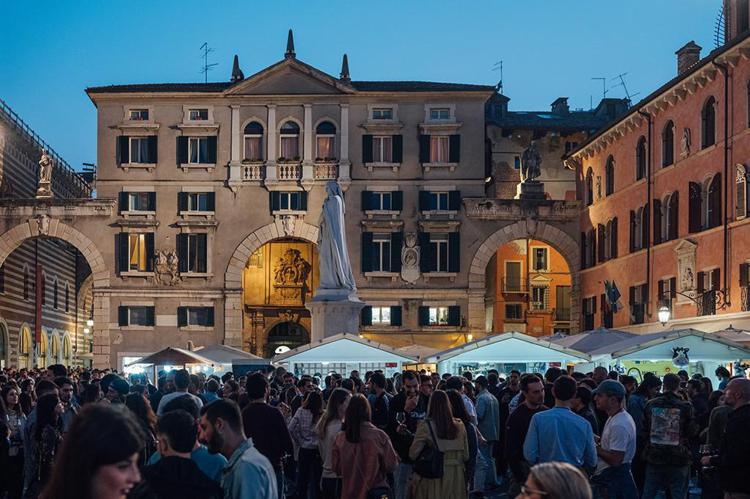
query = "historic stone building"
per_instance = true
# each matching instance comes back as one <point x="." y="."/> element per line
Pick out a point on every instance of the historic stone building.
<point x="669" y="225"/>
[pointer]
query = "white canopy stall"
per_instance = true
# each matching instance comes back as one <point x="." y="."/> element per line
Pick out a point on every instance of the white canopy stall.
<point x="343" y="353"/>
<point x="505" y="352"/>
<point x="226" y="358"/>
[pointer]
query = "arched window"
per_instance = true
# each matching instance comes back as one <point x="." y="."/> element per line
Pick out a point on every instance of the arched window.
<point x="741" y="197"/>
<point x="667" y="218"/>
<point x="253" y="141"/>
<point x="325" y="134"/>
<point x="667" y="144"/>
<point x="289" y="138"/>
<point x="66" y="353"/>
<point x="712" y="202"/>
<point x="589" y="188"/>
<point x="640" y="158"/>
<point x="24" y="347"/>
<point x="609" y="176"/>
<point x="54" y="349"/>
<point x="708" y="123"/>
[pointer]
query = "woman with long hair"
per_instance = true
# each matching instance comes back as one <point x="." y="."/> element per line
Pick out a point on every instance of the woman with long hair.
<point x="440" y="429"/>
<point x="99" y="458"/>
<point x="45" y="440"/>
<point x="472" y="434"/>
<point x="231" y="390"/>
<point x="27" y="397"/>
<point x="327" y="428"/>
<point x="555" y="480"/>
<point x="141" y="409"/>
<point x="302" y="430"/>
<point x="362" y="454"/>
<point x="15" y="419"/>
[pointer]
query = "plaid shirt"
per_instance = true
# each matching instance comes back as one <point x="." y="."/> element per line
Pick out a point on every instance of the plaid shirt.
<point x="302" y="429"/>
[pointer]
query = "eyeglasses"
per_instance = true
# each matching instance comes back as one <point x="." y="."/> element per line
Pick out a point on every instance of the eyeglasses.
<point x="528" y="492"/>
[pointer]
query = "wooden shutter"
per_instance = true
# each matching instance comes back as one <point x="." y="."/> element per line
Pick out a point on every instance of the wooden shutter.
<point x="714" y="199"/>
<point x="632" y="231"/>
<point x="182" y="201"/>
<point x="182" y="150"/>
<point x="716" y="279"/>
<point x="303" y="201"/>
<point x="211" y="201"/>
<point x="701" y="280"/>
<point x="454" y="148"/>
<point x="275" y="201"/>
<point x="152" y="149"/>
<point x="694" y="207"/>
<point x="396" y="243"/>
<point x="366" y="316"/>
<point x="124" y="201"/>
<point x="673" y="288"/>
<point x="592" y="247"/>
<point x="424" y="200"/>
<point x="123" y="256"/>
<point x="123" y="149"/>
<point x="660" y="291"/>
<point x="454" y="315"/>
<point x="454" y="252"/>
<point x="149" y="252"/>
<point x="397" y="201"/>
<point x="397" y="148"/>
<point x="657" y="221"/>
<point x="122" y="316"/>
<point x="151" y="196"/>
<point x="601" y="239"/>
<point x="212" y="149"/>
<point x="209" y="316"/>
<point x="584" y="249"/>
<point x="631" y="298"/>
<point x="367" y="252"/>
<point x="454" y="200"/>
<point x="367" y="200"/>
<point x="427" y="259"/>
<point x="367" y="149"/>
<point x="424" y="148"/>
<point x="182" y="252"/>
<point x="150" y="316"/>
<point x="645" y="223"/>
<point x="396" y="319"/>
<point x="424" y="316"/>
<point x="613" y="239"/>
<point x="744" y="274"/>
<point x="674" y="218"/>
<point x="182" y="316"/>
<point x="201" y="251"/>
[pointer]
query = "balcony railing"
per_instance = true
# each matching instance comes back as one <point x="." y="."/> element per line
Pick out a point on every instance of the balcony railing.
<point x="252" y="172"/>
<point x="326" y="171"/>
<point x="289" y="171"/>
<point x="707" y="302"/>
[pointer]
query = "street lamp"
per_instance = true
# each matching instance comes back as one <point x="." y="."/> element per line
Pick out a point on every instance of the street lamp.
<point x="90" y="322"/>
<point x="663" y="314"/>
<point x="86" y="330"/>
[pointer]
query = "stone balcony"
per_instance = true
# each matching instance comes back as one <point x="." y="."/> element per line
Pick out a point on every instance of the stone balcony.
<point x="517" y="209"/>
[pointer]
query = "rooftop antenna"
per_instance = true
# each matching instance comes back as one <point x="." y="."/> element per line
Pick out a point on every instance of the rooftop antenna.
<point x="498" y="66"/>
<point x="720" y="29"/>
<point x="604" y="85"/>
<point x="621" y="77"/>
<point x="206" y="66"/>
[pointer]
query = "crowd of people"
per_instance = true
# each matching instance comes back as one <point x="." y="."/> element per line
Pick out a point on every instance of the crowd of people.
<point x="94" y="434"/>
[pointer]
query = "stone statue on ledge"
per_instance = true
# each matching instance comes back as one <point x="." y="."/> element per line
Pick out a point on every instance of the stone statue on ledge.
<point x="335" y="267"/>
<point x="45" y="176"/>
<point x="531" y="169"/>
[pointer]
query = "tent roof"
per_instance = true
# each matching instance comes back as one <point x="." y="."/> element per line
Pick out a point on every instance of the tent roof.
<point x="173" y="356"/>
<point x="419" y="351"/>
<point x="658" y="346"/>
<point x="588" y="341"/>
<point x="732" y="334"/>
<point x="224" y="354"/>
<point x="344" y="347"/>
<point x="510" y="347"/>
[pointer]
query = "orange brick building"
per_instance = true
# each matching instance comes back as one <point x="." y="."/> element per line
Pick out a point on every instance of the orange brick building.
<point x="665" y="199"/>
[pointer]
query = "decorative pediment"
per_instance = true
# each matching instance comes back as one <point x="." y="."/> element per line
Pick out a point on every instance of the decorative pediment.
<point x="290" y="77"/>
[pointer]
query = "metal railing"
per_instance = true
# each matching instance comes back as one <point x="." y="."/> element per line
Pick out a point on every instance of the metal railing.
<point x="62" y="171"/>
<point x="706" y="303"/>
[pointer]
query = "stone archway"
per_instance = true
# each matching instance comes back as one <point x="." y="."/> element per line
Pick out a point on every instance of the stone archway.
<point x="297" y="229"/>
<point x="44" y="226"/>
<point x="521" y="229"/>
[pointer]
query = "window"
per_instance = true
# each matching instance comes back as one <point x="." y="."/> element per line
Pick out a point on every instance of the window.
<point x="513" y="312"/>
<point x="704" y="204"/>
<point x="588" y="249"/>
<point x="138" y="115"/>
<point x="667" y="144"/>
<point x="439" y="148"/>
<point x="638" y="299"/>
<point x="439" y="200"/>
<point x="382" y="253"/>
<point x="289" y="138"/>
<point x="512" y="277"/>
<point x="137" y="250"/>
<point x="139" y="150"/>
<point x="539" y="297"/>
<point x="382" y="200"/>
<point x="199" y="201"/>
<point x="289" y="200"/>
<point x="198" y="114"/>
<point x="382" y="149"/>
<point x="325" y="135"/>
<point x="708" y="123"/>
<point x="741" y="192"/>
<point x="198" y="150"/>
<point x="666" y="218"/>
<point x="381" y="316"/>
<point x="667" y="292"/>
<point x="441" y="252"/>
<point x="609" y="176"/>
<point x="440" y="113"/>
<point x="640" y="158"/>
<point x="253" y="141"/>
<point x="136" y="316"/>
<point x="639" y="228"/>
<point x="589" y="188"/>
<point x="382" y="113"/>
<point x="438" y="316"/>
<point x="589" y="311"/>
<point x="540" y="259"/>
<point x="195" y="316"/>
<point x="439" y="248"/>
<point x="140" y="201"/>
<point x="192" y="252"/>
<point x="606" y="311"/>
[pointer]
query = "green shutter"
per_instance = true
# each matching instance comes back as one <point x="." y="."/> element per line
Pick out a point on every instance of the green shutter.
<point x="212" y="149"/>
<point x="424" y="316"/>
<point x="182" y="201"/>
<point x="182" y="252"/>
<point x="397" y="239"/>
<point x="454" y="316"/>
<point x="367" y="149"/>
<point x="303" y="201"/>
<point x="123" y="149"/>
<point x="454" y="149"/>
<point x="427" y="261"/>
<point x="124" y="206"/>
<point x="122" y="316"/>
<point x="151" y="201"/>
<point x="275" y="199"/>
<point x="201" y="253"/>
<point x="366" y="200"/>
<point x="209" y="316"/>
<point x="150" y="316"/>
<point x="182" y="316"/>
<point x="367" y="252"/>
<point x="149" y="252"/>
<point x="211" y="201"/>
<point x="424" y="148"/>
<point x="367" y="316"/>
<point x="454" y="252"/>
<point x="396" y="316"/>
<point x="397" y="148"/>
<point x="424" y="200"/>
<point x="454" y="200"/>
<point x="123" y="258"/>
<point x="397" y="201"/>
<point x="152" y="149"/>
<point x="182" y="150"/>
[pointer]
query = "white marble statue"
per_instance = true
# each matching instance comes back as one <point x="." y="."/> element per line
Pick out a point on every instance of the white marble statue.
<point x="45" y="167"/>
<point x="335" y="267"/>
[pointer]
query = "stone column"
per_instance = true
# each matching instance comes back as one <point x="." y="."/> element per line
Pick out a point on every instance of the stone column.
<point x="344" y="163"/>
<point x="102" y="352"/>
<point x="271" y="176"/>
<point x="233" y="318"/>
<point x="308" y="133"/>
<point x="235" y="161"/>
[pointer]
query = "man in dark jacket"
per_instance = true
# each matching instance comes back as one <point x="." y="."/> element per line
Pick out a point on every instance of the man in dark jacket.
<point x="582" y="406"/>
<point x="734" y="468"/>
<point x="175" y="475"/>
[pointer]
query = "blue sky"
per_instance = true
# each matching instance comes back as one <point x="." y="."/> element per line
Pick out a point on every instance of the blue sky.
<point x="51" y="51"/>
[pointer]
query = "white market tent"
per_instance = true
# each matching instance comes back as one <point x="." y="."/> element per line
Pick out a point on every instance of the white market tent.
<point x="737" y="335"/>
<point x="595" y="339"/>
<point x="511" y="347"/>
<point x="344" y="348"/>
<point x="419" y="351"/>
<point x="226" y="356"/>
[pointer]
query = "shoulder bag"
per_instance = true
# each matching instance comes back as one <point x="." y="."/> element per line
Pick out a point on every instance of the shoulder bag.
<point x="429" y="463"/>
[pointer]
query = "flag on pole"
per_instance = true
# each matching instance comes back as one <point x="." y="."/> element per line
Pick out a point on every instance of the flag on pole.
<point x="612" y="295"/>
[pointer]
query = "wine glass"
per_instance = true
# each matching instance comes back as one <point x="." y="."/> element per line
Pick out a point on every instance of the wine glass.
<point x="401" y="417"/>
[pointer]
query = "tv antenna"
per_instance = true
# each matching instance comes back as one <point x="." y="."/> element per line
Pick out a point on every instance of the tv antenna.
<point x="720" y="29"/>
<point x="498" y="66"/>
<point x="206" y="66"/>
<point x="604" y="85"/>
<point x="622" y="84"/>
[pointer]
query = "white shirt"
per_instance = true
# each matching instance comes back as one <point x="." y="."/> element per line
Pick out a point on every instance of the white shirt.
<point x="618" y="435"/>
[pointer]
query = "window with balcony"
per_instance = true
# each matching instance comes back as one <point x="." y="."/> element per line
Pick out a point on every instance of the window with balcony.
<point x="667" y="292"/>
<point x="195" y="316"/>
<point x="709" y="285"/>
<point x="540" y="298"/>
<point x="325" y="138"/>
<point x="136" y="316"/>
<point x="192" y="253"/>
<point x="289" y="135"/>
<point x="253" y="140"/>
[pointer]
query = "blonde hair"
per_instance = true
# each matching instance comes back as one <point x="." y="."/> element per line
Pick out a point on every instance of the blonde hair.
<point x="561" y="481"/>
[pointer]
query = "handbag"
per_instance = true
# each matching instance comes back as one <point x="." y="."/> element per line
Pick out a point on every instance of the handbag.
<point x="429" y="463"/>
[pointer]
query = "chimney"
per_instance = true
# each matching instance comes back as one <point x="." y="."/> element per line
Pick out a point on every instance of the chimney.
<point x="560" y="106"/>
<point x="687" y="56"/>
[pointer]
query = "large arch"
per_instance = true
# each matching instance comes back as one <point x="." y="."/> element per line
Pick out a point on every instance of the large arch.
<point x="298" y="229"/>
<point x="45" y="226"/>
<point x="521" y="229"/>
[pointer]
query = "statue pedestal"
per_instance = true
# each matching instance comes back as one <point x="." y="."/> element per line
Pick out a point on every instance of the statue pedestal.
<point x="532" y="190"/>
<point x="334" y="311"/>
<point x="44" y="190"/>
